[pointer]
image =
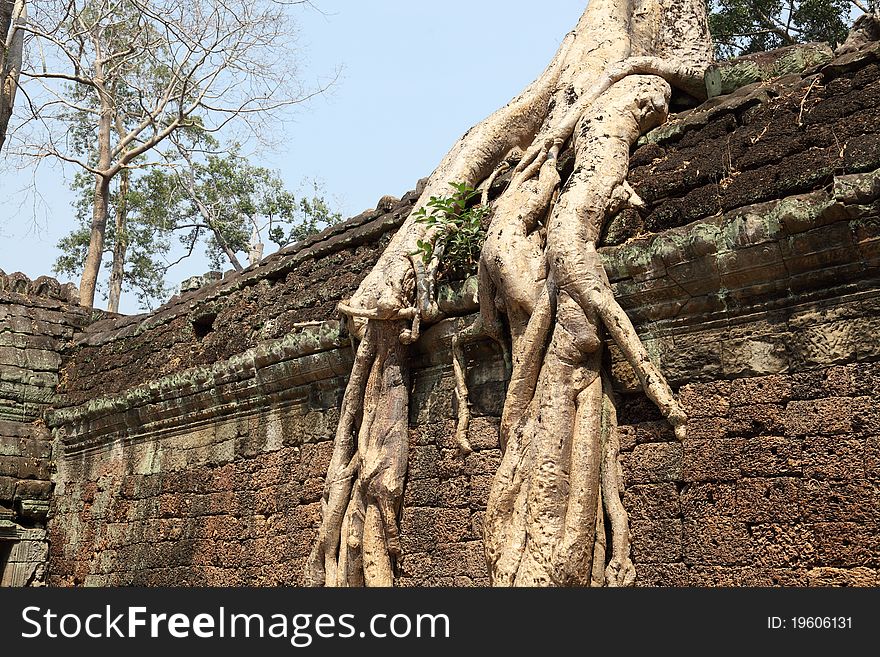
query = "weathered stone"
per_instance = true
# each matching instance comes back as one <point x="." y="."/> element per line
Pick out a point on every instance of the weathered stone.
<point x="760" y="390"/>
<point x="712" y="460"/>
<point x="651" y="501"/>
<point x="656" y="540"/>
<point x="756" y="420"/>
<point x="822" y="416"/>
<point x="706" y="400"/>
<point x="656" y="575"/>
<point x="770" y="456"/>
<point x="846" y="544"/>
<point x="716" y="540"/>
<point x="826" y="457"/>
<point x="653" y="463"/>
<point x="851" y="500"/>
<point x="702" y="500"/>
<point x="735" y="73"/>
<point x="761" y="500"/>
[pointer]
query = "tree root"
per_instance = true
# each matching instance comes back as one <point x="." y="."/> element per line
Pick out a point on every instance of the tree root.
<point x="543" y="289"/>
<point x="367" y="507"/>
<point x="471" y="333"/>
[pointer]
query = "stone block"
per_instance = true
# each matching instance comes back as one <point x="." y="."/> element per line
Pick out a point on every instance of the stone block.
<point x="712" y="460"/>
<point x="846" y="544"/>
<point x="459" y="559"/>
<point x="653" y="463"/>
<point x="866" y="415"/>
<point x="701" y="500"/>
<point x="706" y="399"/>
<point x="872" y="457"/>
<point x="33" y="490"/>
<point x="840" y="577"/>
<point x="422" y="492"/>
<point x="707" y="428"/>
<point x="771" y="456"/>
<point x="656" y="540"/>
<point x="757" y="420"/>
<point x="774" y="499"/>
<point x="783" y="545"/>
<point x="716" y="540"/>
<point x="833" y="457"/>
<point x="23" y="467"/>
<point x="483" y="462"/>
<point x="774" y="389"/>
<point x="827" y="343"/>
<point x="479" y="491"/>
<point x="423" y="462"/>
<point x="656" y="575"/>
<point x="659" y="431"/>
<point x="819" y="416"/>
<point x="652" y="501"/>
<point x="755" y="356"/>
<point x="851" y="500"/>
<point x="865" y="378"/>
<point x="483" y="433"/>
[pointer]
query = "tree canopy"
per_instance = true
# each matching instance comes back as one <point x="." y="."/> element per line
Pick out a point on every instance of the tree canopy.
<point x="108" y="81"/>
<point x="741" y="27"/>
<point x="219" y="201"/>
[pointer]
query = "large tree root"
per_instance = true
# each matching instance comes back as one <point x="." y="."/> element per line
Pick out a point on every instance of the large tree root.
<point x="544" y="292"/>
<point x="359" y="537"/>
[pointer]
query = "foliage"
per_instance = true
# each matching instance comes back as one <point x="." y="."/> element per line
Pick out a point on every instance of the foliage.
<point x="741" y="27"/>
<point x="460" y="232"/>
<point x="147" y="236"/>
<point x="230" y="198"/>
<point x="109" y="82"/>
<point x="162" y="209"/>
<point x="312" y="216"/>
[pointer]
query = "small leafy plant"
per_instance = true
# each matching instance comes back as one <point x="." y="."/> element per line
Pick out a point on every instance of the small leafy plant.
<point x="460" y="235"/>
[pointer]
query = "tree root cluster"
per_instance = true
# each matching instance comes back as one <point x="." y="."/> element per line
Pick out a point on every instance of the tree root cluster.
<point x="544" y="297"/>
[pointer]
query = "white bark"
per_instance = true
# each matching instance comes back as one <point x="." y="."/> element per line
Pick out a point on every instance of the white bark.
<point x="12" y="16"/>
<point x="542" y="279"/>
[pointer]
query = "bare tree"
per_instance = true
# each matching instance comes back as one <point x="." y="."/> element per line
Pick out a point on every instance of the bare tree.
<point x="543" y="293"/>
<point x="107" y="81"/>
<point x="12" y="15"/>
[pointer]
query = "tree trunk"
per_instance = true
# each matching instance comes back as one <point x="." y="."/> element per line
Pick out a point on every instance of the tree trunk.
<point x="542" y="290"/>
<point x="100" y="209"/>
<point x="120" y="244"/>
<point x="255" y="248"/>
<point x="12" y="13"/>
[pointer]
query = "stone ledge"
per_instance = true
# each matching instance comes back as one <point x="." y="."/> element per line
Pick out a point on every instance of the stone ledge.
<point x="269" y="368"/>
<point x="267" y="374"/>
<point x="362" y="229"/>
<point x="741" y="260"/>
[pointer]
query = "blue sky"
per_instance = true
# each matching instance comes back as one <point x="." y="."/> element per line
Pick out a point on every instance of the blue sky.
<point x="415" y="76"/>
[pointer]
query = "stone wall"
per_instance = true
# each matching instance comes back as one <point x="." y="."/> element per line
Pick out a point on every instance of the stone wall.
<point x="37" y="320"/>
<point x="191" y="443"/>
<point x="776" y="485"/>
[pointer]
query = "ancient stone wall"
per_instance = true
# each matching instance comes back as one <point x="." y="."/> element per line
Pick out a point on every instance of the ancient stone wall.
<point x="191" y="443"/>
<point x="777" y="485"/>
<point x="37" y="320"/>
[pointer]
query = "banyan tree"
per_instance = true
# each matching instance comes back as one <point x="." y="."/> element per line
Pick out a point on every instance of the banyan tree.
<point x="544" y="297"/>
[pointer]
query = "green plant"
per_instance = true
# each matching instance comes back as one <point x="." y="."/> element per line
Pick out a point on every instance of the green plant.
<point x="460" y="233"/>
